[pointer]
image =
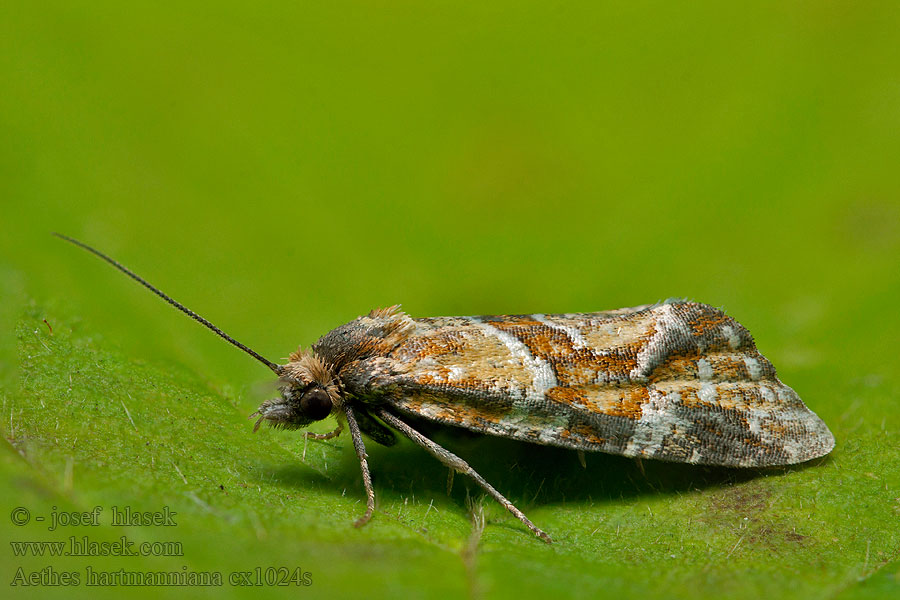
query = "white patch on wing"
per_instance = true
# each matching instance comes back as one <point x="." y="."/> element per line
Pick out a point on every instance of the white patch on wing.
<point x="754" y="420"/>
<point x="657" y="421"/>
<point x="707" y="393"/>
<point x="578" y="341"/>
<point x="734" y="340"/>
<point x="456" y="373"/>
<point x="522" y="420"/>
<point x="704" y="370"/>
<point x="753" y="367"/>
<point x="542" y="376"/>
<point x="429" y="411"/>
<point x="669" y="328"/>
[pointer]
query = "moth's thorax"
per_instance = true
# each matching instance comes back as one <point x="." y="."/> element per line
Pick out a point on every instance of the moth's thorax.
<point x="372" y="335"/>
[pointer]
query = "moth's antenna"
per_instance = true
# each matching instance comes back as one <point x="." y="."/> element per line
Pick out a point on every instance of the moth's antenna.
<point x="277" y="368"/>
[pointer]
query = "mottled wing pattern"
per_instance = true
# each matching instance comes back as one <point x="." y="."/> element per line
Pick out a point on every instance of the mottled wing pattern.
<point x="678" y="381"/>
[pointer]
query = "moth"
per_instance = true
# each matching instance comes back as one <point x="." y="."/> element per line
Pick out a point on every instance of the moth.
<point x="675" y="381"/>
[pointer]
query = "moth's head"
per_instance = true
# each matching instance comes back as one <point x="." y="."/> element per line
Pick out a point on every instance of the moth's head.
<point x="297" y="407"/>
<point x="308" y="393"/>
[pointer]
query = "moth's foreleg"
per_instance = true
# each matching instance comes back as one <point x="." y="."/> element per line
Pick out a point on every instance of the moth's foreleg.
<point x="326" y="436"/>
<point x="360" y="448"/>
<point x="457" y="464"/>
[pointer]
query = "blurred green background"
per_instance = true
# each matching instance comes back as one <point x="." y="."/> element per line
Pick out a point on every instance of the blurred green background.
<point x="284" y="167"/>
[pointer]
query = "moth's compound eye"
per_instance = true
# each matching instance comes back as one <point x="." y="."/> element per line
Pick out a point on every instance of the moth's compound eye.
<point x="315" y="404"/>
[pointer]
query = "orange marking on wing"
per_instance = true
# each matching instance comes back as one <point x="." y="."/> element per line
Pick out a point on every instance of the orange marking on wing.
<point x="448" y="410"/>
<point x="677" y="367"/>
<point x="413" y="403"/>
<point x="573" y="366"/>
<point x="621" y="361"/>
<point x="690" y="397"/>
<point x="709" y="319"/>
<point x="605" y="400"/>
<point x="582" y="432"/>
<point x="738" y="396"/>
<point x="728" y="368"/>
<point x="451" y="416"/>
<point x="629" y="403"/>
<point x="449" y="342"/>
<point x="774" y="427"/>
<point x="566" y="395"/>
<point x="440" y="378"/>
<point x="482" y="414"/>
<point x="584" y="372"/>
<point x="725" y="366"/>
<point x="542" y="340"/>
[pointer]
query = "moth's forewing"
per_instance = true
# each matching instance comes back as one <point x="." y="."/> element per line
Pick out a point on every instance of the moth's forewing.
<point x="678" y="381"/>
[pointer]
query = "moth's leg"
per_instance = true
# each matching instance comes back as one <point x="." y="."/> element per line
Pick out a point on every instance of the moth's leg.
<point x="457" y="464"/>
<point x="326" y="436"/>
<point x="640" y="466"/>
<point x="363" y="465"/>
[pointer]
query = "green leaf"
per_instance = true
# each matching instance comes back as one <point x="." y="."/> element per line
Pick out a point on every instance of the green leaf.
<point x="88" y="427"/>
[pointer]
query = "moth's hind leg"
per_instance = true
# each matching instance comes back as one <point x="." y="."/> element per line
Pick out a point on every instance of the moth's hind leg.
<point x="457" y="464"/>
